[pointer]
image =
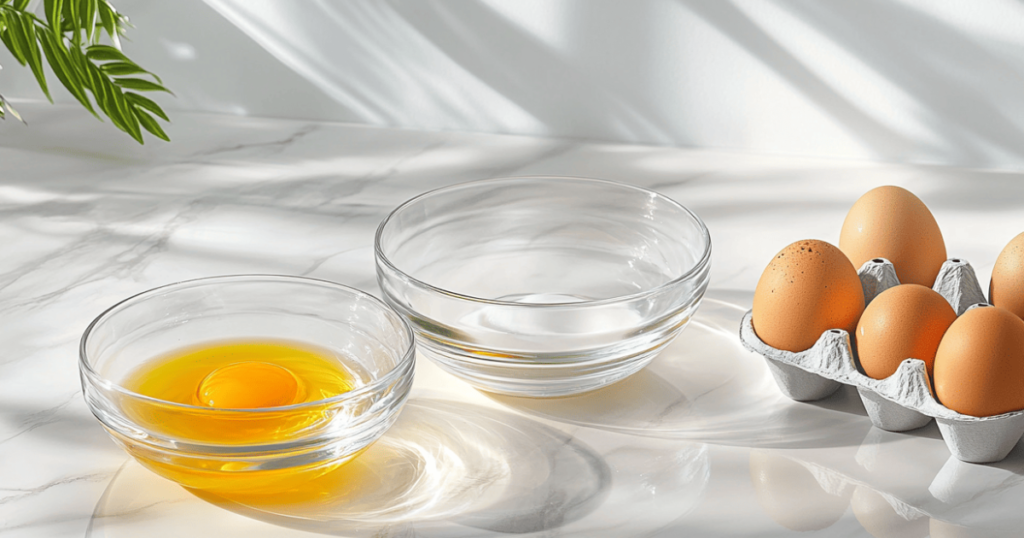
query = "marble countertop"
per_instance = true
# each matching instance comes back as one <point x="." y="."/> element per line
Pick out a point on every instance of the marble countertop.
<point x="701" y="443"/>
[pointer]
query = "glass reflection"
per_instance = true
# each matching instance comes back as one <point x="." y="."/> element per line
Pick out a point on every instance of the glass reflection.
<point x="445" y="469"/>
<point x="882" y="518"/>
<point x="794" y="496"/>
<point x="705" y="387"/>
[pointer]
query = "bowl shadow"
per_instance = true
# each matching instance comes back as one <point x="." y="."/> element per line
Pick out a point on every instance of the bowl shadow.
<point x="451" y="462"/>
<point x="705" y="387"/>
<point x="445" y="468"/>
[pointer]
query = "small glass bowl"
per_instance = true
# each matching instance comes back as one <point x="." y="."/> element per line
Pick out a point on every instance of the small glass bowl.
<point x="368" y="338"/>
<point x="543" y="286"/>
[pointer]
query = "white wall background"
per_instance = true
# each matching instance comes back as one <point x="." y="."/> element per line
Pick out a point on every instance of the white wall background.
<point x="926" y="81"/>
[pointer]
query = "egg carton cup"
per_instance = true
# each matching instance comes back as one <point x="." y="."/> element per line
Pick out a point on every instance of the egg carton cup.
<point x="902" y="401"/>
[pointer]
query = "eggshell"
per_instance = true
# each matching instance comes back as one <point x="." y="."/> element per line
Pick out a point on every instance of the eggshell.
<point x="979" y="366"/>
<point x="905" y="400"/>
<point x="808" y="288"/>
<point x="905" y="321"/>
<point x="890" y="222"/>
<point x="1006" y="289"/>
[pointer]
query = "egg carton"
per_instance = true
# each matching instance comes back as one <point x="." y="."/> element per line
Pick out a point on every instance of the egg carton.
<point x="902" y="401"/>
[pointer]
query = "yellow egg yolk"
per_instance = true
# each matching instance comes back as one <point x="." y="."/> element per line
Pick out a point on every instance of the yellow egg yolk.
<point x="249" y="385"/>
<point x="233" y="393"/>
<point x="243" y="375"/>
<point x="260" y="377"/>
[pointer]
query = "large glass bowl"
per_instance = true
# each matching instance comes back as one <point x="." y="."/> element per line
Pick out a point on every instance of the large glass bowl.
<point x="369" y="339"/>
<point x="543" y="286"/>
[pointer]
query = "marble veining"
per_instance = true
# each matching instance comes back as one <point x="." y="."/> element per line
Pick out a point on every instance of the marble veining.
<point x="699" y="443"/>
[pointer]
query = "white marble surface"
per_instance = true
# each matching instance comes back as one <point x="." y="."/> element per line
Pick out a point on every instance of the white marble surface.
<point x="699" y="444"/>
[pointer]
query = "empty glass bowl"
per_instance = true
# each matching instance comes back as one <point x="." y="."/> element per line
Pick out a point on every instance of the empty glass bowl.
<point x="370" y="340"/>
<point x="543" y="286"/>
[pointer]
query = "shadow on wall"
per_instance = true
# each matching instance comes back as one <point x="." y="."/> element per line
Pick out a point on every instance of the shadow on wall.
<point x="465" y="66"/>
<point x="961" y="84"/>
<point x="911" y="81"/>
<point x="735" y="74"/>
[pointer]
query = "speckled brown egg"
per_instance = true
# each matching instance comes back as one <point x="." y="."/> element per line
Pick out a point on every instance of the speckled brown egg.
<point x="979" y="366"/>
<point x="1006" y="289"/>
<point x="905" y="321"/>
<point x="808" y="288"/>
<point x="890" y="222"/>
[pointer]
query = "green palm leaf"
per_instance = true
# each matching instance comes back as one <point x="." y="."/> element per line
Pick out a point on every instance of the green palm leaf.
<point x="98" y="75"/>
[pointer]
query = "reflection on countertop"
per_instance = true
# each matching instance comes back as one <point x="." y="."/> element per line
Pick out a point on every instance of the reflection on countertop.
<point x="444" y="469"/>
<point x="700" y="443"/>
<point x="706" y="387"/>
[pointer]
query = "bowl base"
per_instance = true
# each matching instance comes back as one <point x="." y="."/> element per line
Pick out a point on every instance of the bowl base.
<point x="546" y="380"/>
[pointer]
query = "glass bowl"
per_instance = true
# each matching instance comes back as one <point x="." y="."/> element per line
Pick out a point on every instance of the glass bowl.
<point x="543" y="286"/>
<point x="279" y="446"/>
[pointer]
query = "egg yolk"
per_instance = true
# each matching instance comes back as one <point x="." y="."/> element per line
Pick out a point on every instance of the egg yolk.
<point x="249" y="385"/>
<point x="237" y="393"/>
<point x="242" y="375"/>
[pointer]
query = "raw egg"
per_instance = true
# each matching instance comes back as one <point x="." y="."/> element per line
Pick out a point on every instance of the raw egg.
<point x="905" y="321"/>
<point x="808" y="288"/>
<point x="890" y="222"/>
<point x="1007" y="287"/>
<point x="249" y="385"/>
<point x="233" y="393"/>
<point x="258" y="375"/>
<point x="979" y="366"/>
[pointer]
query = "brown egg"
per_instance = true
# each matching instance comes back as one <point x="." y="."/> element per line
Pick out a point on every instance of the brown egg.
<point x="891" y="223"/>
<point x="807" y="289"/>
<point x="905" y="321"/>
<point x="979" y="366"/>
<point x="1007" y="287"/>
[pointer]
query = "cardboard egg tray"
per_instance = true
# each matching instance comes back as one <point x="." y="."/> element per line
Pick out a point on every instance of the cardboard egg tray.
<point x="902" y="401"/>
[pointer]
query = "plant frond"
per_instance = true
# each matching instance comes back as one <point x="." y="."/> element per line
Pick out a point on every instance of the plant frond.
<point x="67" y="37"/>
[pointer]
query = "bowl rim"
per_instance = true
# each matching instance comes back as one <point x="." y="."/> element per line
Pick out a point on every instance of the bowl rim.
<point x="704" y="259"/>
<point x="405" y="363"/>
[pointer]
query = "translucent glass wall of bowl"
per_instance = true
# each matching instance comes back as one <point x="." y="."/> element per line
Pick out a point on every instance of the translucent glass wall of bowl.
<point x="361" y="332"/>
<point x="543" y="271"/>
